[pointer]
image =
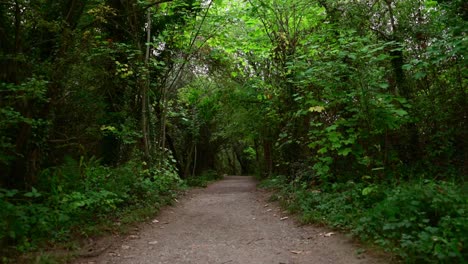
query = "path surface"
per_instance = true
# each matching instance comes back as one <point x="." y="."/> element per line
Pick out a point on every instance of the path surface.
<point x="229" y="222"/>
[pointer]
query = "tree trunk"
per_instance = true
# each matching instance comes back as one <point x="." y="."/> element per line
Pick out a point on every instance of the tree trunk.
<point x="188" y="161"/>
<point x="267" y="155"/>
<point x="144" y="93"/>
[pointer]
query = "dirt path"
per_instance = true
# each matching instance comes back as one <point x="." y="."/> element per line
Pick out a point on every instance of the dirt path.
<point x="229" y="222"/>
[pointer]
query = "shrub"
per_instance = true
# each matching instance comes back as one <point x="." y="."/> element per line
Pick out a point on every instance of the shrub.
<point x="422" y="222"/>
<point x="76" y="195"/>
<point x="203" y="179"/>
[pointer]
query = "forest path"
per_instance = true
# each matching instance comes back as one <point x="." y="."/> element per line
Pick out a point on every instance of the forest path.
<point x="229" y="222"/>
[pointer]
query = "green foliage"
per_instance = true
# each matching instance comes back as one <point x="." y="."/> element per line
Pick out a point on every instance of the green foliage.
<point x="126" y="135"/>
<point x="11" y="119"/>
<point x="344" y="97"/>
<point x="422" y="222"/>
<point x="76" y="194"/>
<point x="203" y="179"/>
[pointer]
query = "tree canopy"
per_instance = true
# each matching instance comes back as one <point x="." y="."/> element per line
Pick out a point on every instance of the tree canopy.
<point x="324" y="92"/>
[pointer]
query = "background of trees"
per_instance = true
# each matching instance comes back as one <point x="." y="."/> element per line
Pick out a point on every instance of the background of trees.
<point x="326" y="92"/>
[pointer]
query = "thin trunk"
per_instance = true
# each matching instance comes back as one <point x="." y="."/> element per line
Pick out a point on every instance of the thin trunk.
<point x="163" y="124"/>
<point x="194" y="161"/>
<point x="171" y="146"/>
<point x="17" y="41"/>
<point x="257" y="155"/>
<point x="242" y="163"/>
<point x="189" y="161"/>
<point x="228" y="156"/>
<point x="144" y="93"/>
<point x="234" y="167"/>
<point x="166" y="88"/>
<point x="70" y="12"/>
<point x="268" y="158"/>
<point x="392" y="18"/>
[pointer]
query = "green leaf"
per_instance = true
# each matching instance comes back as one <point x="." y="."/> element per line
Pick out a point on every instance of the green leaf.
<point x="344" y="152"/>
<point x="331" y="128"/>
<point x="400" y="112"/>
<point x="407" y="67"/>
<point x="419" y="75"/>
<point x="33" y="193"/>
<point x="317" y="109"/>
<point x="368" y="190"/>
<point x="383" y="85"/>
<point x="323" y="150"/>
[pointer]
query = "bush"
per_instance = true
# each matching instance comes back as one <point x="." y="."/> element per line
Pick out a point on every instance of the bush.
<point x="76" y="195"/>
<point x="422" y="222"/>
<point x="203" y="179"/>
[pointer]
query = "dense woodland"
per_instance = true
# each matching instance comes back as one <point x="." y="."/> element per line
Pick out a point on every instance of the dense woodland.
<point x="355" y="111"/>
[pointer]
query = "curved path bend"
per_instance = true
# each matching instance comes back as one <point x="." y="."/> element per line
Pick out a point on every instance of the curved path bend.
<point x="230" y="222"/>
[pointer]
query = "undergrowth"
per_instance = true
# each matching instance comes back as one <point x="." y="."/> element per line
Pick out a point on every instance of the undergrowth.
<point x="79" y="199"/>
<point x="421" y="222"/>
<point x="203" y="179"/>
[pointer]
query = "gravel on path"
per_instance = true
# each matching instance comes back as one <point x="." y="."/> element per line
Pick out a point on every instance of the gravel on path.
<point x="230" y="222"/>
